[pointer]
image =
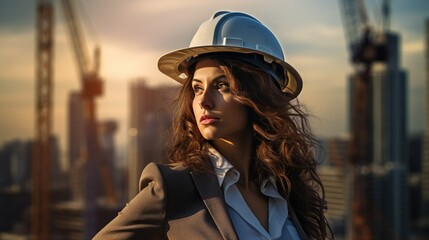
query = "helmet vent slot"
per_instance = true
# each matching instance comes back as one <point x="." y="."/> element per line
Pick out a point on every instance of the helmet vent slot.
<point x="230" y="41"/>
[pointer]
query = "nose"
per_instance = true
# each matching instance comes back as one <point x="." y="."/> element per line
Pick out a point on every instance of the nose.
<point x="206" y="101"/>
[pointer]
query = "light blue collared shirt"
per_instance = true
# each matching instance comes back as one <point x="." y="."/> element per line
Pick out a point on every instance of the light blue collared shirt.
<point x="247" y="226"/>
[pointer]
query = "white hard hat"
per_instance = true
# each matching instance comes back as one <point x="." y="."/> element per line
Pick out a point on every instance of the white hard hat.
<point x="229" y="33"/>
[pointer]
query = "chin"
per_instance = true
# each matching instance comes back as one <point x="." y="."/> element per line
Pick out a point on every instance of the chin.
<point x="209" y="135"/>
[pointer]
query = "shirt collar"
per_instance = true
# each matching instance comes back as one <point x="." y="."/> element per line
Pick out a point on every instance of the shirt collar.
<point x="220" y="164"/>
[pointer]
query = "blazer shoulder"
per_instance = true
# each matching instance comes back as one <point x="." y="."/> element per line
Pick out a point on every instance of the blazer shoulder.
<point x="178" y="167"/>
<point x="144" y="215"/>
<point x="161" y="172"/>
<point x="181" y="194"/>
<point x="176" y="178"/>
<point x="150" y="173"/>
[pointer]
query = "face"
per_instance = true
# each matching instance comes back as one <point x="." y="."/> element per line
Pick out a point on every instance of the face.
<point x="218" y="115"/>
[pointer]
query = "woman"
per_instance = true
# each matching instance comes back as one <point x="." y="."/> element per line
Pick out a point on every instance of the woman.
<point x="241" y="152"/>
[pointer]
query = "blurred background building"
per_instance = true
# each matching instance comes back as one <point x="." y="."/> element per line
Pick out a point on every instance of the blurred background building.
<point x="334" y="174"/>
<point x="150" y="115"/>
<point x="390" y="146"/>
<point x="425" y="162"/>
<point x="395" y="171"/>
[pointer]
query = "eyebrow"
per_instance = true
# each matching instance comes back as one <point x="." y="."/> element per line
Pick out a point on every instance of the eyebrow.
<point x="213" y="80"/>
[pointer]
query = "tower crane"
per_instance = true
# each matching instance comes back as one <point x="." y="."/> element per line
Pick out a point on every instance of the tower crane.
<point x="91" y="84"/>
<point x="41" y="164"/>
<point x="366" y="46"/>
<point x="92" y="87"/>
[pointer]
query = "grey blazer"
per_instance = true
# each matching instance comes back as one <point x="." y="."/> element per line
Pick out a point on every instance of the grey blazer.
<point x="175" y="203"/>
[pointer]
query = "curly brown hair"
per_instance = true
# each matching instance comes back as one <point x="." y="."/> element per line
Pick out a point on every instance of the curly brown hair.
<point x="283" y="141"/>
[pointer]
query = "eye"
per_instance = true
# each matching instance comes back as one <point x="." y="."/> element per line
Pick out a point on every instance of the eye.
<point x="197" y="89"/>
<point x="223" y="86"/>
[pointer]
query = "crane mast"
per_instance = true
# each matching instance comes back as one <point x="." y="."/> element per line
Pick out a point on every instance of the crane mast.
<point x="41" y="165"/>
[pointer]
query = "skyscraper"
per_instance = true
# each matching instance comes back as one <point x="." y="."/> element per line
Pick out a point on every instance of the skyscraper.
<point x="107" y="130"/>
<point x="390" y="145"/>
<point x="75" y="126"/>
<point x="425" y="157"/>
<point x="76" y="143"/>
<point x="150" y="115"/>
<point x="389" y="108"/>
<point x="386" y="192"/>
<point x="335" y="178"/>
<point x="15" y="188"/>
<point x="73" y="215"/>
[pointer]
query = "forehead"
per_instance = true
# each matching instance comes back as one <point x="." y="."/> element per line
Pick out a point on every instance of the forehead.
<point x="207" y="68"/>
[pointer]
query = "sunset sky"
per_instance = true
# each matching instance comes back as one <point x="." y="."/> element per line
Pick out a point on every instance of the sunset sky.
<point x="133" y="34"/>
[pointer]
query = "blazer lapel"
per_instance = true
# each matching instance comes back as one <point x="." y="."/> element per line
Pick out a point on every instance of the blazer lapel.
<point x="208" y="187"/>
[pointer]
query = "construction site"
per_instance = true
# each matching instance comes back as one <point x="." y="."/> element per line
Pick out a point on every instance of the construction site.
<point x="376" y="177"/>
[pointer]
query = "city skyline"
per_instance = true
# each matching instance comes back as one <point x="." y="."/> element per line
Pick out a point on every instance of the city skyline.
<point x="133" y="36"/>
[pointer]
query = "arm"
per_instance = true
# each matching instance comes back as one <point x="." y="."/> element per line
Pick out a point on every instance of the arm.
<point x="144" y="216"/>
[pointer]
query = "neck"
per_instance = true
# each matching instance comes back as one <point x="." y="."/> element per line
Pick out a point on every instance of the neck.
<point x="239" y="153"/>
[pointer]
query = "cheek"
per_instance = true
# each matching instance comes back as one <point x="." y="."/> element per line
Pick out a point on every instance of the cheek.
<point x="238" y="112"/>
<point x="195" y="107"/>
<point x="242" y="114"/>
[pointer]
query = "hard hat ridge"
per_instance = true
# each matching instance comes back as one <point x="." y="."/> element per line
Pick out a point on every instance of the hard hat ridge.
<point x="234" y="33"/>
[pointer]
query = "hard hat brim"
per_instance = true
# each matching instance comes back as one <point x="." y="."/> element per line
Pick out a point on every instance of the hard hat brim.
<point x="171" y="64"/>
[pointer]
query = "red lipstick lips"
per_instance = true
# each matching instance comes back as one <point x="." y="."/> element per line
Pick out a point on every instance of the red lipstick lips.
<point x="207" y="119"/>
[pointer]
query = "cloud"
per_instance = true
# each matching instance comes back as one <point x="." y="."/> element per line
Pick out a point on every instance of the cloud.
<point x="319" y="35"/>
<point x="17" y="55"/>
<point x="409" y="17"/>
<point x="17" y="15"/>
<point x="327" y="108"/>
<point x="413" y="47"/>
<point x="124" y="62"/>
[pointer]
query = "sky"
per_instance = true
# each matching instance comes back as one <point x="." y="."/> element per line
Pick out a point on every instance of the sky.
<point x="133" y="34"/>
